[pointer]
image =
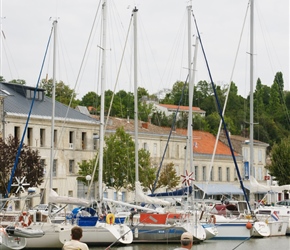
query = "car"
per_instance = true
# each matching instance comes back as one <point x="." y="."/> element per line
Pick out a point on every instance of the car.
<point x="283" y="203"/>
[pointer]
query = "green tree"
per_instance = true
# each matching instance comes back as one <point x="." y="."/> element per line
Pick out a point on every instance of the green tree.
<point x="29" y="164"/>
<point x="168" y="177"/>
<point x="86" y="167"/>
<point x="63" y="93"/>
<point x="280" y="158"/>
<point x="91" y="99"/>
<point x="18" y="81"/>
<point x="119" y="160"/>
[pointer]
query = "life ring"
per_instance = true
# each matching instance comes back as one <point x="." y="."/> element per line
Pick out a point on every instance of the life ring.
<point x="23" y="217"/>
<point x="212" y="219"/>
<point x="110" y="218"/>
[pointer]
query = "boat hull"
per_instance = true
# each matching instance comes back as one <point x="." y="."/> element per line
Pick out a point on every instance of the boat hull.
<point x="11" y="242"/>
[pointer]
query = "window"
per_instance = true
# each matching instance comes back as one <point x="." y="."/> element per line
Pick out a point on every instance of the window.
<point x="38" y="94"/>
<point x="211" y="174"/>
<point x="167" y="152"/>
<point x="55" y="138"/>
<point x="228" y="174"/>
<point x="177" y="152"/>
<point x="204" y="173"/>
<point x="259" y="155"/>
<point x="71" y="167"/>
<point x="196" y="173"/>
<point x="54" y="168"/>
<point x="42" y="137"/>
<point x="71" y="139"/>
<point x="145" y="145"/>
<point x="95" y="141"/>
<point x="83" y="190"/>
<point x="84" y="140"/>
<point x="29" y="137"/>
<point x="220" y="173"/>
<point x="17" y="132"/>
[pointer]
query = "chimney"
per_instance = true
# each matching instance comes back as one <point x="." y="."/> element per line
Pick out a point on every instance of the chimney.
<point x="144" y="125"/>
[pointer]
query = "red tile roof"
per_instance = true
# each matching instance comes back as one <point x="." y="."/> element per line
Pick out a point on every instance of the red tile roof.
<point x="181" y="108"/>
<point x="203" y="143"/>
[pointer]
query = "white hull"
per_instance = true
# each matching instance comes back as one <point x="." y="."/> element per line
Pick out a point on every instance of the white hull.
<point x="260" y="229"/>
<point x="152" y="228"/>
<point x="210" y="230"/>
<point x="278" y="228"/>
<point x="231" y="228"/>
<point x="11" y="242"/>
<point x="54" y="237"/>
<point x="104" y="233"/>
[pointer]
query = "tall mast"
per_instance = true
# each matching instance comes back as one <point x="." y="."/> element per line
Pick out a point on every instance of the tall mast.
<point x="102" y="114"/>
<point x="1" y="35"/>
<point x="135" y="11"/>
<point x="53" y="104"/>
<point x="252" y="90"/>
<point x="190" y="87"/>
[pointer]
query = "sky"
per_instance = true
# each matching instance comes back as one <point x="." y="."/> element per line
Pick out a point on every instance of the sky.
<point x="161" y="48"/>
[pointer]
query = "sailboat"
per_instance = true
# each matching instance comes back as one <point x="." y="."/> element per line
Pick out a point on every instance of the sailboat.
<point x="160" y="225"/>
<point x="244" y="224"/>
<point x="104" y="231"/>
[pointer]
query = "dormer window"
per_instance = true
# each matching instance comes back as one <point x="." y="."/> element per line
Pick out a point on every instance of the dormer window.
<point x="38" y="94"/>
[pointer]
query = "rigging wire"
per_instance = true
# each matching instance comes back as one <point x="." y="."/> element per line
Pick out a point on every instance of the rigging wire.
<point x="27" y="121"/>
<point x="221" y="115"/>
<point x="225" y="104"/>
<point x="112" y="98"/>
<point x="170" y="133"/>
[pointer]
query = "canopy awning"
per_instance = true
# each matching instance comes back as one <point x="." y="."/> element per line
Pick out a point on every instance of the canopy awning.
<point x="219" y="189"/>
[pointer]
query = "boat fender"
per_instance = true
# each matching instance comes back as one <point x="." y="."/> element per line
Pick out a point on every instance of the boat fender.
<point x="110" y="218"/>
<point x="212" y="219"/>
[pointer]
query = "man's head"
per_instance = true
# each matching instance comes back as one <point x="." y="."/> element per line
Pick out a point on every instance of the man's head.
<point x="186" y="240"/>
<point x="76" y="233"/>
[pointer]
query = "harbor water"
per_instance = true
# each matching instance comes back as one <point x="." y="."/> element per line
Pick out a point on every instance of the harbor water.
<point x="280" y="243"/>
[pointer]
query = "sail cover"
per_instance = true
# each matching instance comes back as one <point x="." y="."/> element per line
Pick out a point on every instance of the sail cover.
<point x="55" y="198"/>
<point x="141" y="197"/>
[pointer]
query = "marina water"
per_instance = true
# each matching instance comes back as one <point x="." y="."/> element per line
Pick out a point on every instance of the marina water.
<point x="280" y="243"/>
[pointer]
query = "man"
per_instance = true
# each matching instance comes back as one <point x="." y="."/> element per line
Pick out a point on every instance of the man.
<point x="186" y="241"/>
<point x="74" y="243"/>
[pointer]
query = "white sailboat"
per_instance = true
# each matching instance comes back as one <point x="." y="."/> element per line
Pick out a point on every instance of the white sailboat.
<point x="241" y="226"/>
<point x="162" y="225"/>
<point x="105" y="232"/>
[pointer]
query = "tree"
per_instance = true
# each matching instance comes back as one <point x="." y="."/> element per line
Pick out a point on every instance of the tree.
<point x="167" y="178"/>
<point x="18" y="81"/>
<point x="119" y="160"/>
<point x="63" y="93"/>
<point x="29" y="164"/>
<point x="280" y="158"/>
<point x="86" y="167"/>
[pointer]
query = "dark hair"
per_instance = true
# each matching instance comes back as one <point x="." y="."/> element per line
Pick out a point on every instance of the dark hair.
<point x="76" y="233"/>
<point x="186" y="242"/>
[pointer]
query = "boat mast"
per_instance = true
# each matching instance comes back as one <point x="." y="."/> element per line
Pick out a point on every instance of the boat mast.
<point x="53" y="105"/>
<point x="102" y="112"/>
<point x="252" y="169"/>
<point x="190" y="87"/>
<point x="1" y="35"/>
<point x="252" y="89"/>
<point x="135" y="11"/>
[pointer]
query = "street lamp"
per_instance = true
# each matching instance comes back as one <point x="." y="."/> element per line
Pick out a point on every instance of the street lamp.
<point x="88" y="178"/>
